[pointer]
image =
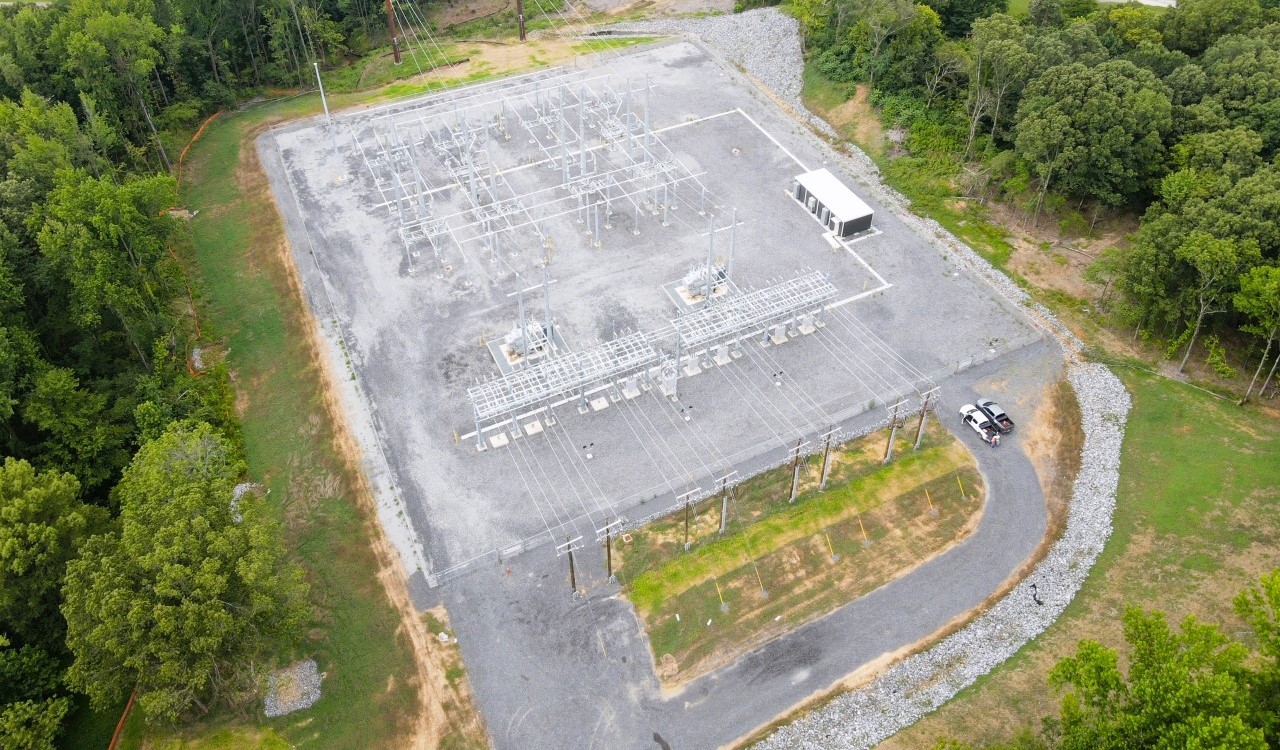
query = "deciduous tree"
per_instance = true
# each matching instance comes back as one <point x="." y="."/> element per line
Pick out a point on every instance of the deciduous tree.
<point x="1259" y="300"/>
<point x="186" y="596"/>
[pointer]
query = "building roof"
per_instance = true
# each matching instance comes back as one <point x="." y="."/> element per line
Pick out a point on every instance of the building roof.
<point x="832" y="193"/>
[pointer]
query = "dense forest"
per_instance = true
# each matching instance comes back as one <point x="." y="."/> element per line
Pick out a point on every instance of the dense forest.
<point x="1082" y="108"/>
<point x="128" y="559"/>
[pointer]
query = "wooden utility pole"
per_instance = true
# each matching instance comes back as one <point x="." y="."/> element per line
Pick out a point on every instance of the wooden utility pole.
<point x="685" y="497"/>
<point x="924" y="410"/>
<point x="826" y="459"/>
<point x="569" y="546"/>
<point x="608" y="545"/>
<point x="795" y="469"/>
<point x="520" y="17"/>
<point x="893" y="433"/>
<point x="724" y="499"/>
<point x="395" y="37"/>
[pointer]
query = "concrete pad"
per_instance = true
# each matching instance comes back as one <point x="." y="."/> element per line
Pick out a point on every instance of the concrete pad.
<point x="600" y="403"/>
<point x="533" y="428"/>
<point x="499" y="440"/>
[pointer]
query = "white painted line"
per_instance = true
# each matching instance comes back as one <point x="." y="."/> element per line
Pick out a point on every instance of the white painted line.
<point x="769" y="135"/>
<point x="856" y="297"/>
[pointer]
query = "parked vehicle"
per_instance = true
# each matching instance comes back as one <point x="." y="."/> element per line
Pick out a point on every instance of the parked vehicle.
<point x="996" y="415"/>
<point x="986" y="430"/>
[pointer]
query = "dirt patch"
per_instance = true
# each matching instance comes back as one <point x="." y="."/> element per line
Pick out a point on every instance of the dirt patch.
<point x="857" y="120"/>
<point x="1054" y="439"/>
<point x="453" y="12"/>
<point x="432" y="722"/>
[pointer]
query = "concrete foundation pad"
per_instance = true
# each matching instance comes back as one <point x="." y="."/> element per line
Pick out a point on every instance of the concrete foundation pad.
<point x="499" y="440"/>
<point x="533" y="428"/>
<point x="599" y="403"/>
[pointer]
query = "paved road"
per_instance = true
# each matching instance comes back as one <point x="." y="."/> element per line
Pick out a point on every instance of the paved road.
<point x="549" y="671"/>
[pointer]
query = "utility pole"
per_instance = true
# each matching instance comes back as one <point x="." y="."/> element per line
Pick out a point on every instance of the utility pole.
<point x="795" y="468"/>
<point x="924" y="410"/>
<point x="568" y="548"/>
<point x="607" y="531"/>
<point x="323" y="100"/>
<point x="893" y="432"/>
<point x="724" y="499"/>
<point x="395" y="37"/>
<point x="520" y="17"/>
<point x="685" y="497"/>
<point x="826" y="458"/>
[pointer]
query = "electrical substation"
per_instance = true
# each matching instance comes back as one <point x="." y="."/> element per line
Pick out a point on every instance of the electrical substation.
<point x="575" y="295"/>
<point x="564" y="302"/>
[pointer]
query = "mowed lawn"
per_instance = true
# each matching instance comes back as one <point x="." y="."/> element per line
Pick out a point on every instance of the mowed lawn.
<point x="1196" y="521"/>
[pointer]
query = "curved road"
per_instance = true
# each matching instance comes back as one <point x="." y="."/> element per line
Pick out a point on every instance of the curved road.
<point x="549" y="671"/>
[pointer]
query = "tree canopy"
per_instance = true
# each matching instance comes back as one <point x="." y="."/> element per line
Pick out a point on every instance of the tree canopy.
<point x="185" y="596"/>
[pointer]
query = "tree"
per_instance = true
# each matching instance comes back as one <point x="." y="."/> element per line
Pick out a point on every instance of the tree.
<point x="950" y="59"/>
<point x="958" y="15"/>
<point x="1046" y="14"/>
<point x="1186" y="689"/>
<point x="877" y="22"/>
<point x="31" y="713"/>
<point x="1217" y="263"/>
<point x="108" y="241"/>
<point x="1234" y="153"/>
<point x="78" y="429"/>
<point x="1194" y="25"/>
<point x="1001" y="66"/>
<point x="1259" y="606"/>
<point x="1259" y="300"/>
<point x="1243" y="76"/>
<point x="187" y="595"/>
<point x="1096" y="131"/>
<point x="43" y="526"/>
<point x="117" y="35"/>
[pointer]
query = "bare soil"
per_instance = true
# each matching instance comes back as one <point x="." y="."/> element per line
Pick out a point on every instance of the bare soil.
<point x="857" y="118"/>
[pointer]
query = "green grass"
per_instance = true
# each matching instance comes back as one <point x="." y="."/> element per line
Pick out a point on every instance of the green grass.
<point x="787" y="550"/>
<point x="378" y="68"/>
<point x="1018" y="8"/>
<point x="1194" y="522"/>
<point x="608" y="44"/>
<point x="246" y="307"/>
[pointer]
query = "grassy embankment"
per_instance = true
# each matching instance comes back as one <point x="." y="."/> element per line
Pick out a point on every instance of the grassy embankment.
<point x="1194" y="523"/>
<point x="809" y="557"/>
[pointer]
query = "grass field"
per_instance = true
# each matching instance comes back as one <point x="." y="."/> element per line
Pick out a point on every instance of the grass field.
<point x="705" y="606"/>
<point x="1195" y="522"/>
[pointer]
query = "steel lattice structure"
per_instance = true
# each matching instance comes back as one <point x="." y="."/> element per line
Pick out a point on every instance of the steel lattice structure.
<point x="748" y="312"/>
<point x="547" y="380"/>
